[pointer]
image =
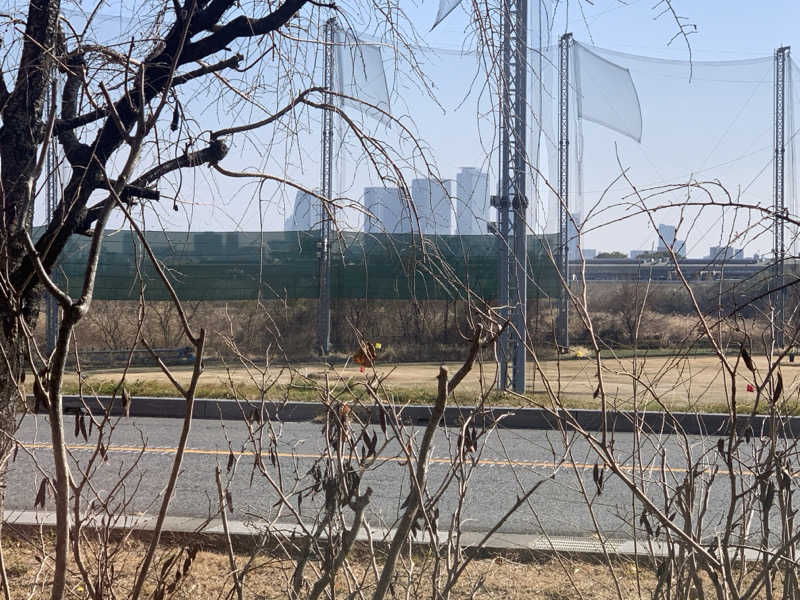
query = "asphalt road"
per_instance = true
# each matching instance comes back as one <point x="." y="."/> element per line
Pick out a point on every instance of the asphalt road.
<point x="512" y="462"/>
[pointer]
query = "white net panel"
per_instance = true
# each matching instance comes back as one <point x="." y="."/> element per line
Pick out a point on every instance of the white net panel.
<point x="360" y="74"/>
<point x="605" y="94"/>
<point x="445" y="8"/>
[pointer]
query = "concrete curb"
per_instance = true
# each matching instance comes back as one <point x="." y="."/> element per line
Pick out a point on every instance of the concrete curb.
<point x="506" y="417"/>
<point x="245" y="534"/>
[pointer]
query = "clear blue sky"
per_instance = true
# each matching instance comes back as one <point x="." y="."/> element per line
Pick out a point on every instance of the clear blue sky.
<point x="725" y="28"/>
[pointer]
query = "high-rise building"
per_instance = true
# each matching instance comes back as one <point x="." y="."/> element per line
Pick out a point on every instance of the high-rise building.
<point x="373" y="204"/>
<point x="573" y="237"/>
<point x="432" y="201"/>
<point x="666" y="236"/>
<point x="667" y="239"/>
<point x="723" y="253"/>
<point x="472" y="205"/>
<point x="387" y="212"/>
<point x="305" y="214"/>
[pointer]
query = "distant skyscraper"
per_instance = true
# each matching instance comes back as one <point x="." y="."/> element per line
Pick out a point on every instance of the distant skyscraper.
<point x="668" y="232"/>
<point x="306" y="213"/>
<point x="573" y="237"/>
<point x="373" y="204"/>
<point x="389" y="214"/>
<point x="433" y="204"/>
<point x="472" y="206"/>
<point x="723" y="253"/>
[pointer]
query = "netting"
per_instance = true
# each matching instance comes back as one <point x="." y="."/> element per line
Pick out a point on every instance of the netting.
<point x="360" y="73"/>
<point x="445" y="8"/>
<point x="644" y="134"/>
<point x="435" y="162"/>
<point x="606" y="94"/>
<point x="644" y="131"/>
<point x="276" y="265"/>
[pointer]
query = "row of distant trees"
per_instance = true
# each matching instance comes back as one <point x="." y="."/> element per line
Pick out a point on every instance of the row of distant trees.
<point x="427" y="329"/>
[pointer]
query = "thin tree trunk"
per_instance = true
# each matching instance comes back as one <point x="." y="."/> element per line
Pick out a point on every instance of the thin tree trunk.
<point x="418" y="484"/>
<point x="59" y="443"/>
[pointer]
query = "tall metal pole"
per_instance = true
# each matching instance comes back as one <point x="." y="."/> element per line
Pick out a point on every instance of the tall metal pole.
<point x="51" y="200"/>
<point x="562" y="321"/>
<point x="520" y="199"/>
<point x="501" y="201"/>
<point x="512" y="254"/>
<point x="779" y="248"/>
<point x="326" y="207"/>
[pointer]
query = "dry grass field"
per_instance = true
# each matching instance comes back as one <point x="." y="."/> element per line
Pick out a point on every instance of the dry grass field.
<point x="677" y="383"/>
<point x="519" y="577"/>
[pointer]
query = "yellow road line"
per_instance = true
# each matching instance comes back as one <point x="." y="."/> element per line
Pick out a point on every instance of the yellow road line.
<point x="483" y="462"/>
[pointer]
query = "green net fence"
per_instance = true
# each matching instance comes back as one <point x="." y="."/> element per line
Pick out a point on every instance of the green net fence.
<point x="271" y="265"/>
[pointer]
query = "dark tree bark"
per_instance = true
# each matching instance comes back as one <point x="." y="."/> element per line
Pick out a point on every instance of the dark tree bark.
<point x="21" y="133"/>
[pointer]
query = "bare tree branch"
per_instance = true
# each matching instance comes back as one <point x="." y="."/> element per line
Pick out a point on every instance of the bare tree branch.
<point x="228" y="63"/>
<point x="211" y="154"/>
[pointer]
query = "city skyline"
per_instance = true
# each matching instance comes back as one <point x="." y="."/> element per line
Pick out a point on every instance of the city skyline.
<point x="440" y="209"/>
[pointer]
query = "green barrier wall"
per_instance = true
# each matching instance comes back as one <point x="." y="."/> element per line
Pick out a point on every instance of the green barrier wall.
<point x="246" y="265"/>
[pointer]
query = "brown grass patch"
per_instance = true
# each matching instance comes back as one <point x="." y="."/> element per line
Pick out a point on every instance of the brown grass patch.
<point x="525" y="576"/>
